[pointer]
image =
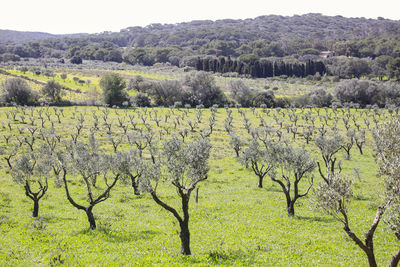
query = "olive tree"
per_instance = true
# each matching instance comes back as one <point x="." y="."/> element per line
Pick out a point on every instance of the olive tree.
<point x="261" y="159"/>
<point x="32" y="171"/>
<point x="132" y="166"/>
<point x="328" y="148"/>
<point x="292" y="166"/>
<point x="387" y="139"/>
<point x="333" y="197"/>
<point x="86" y="163"/>
<point x="236" y="143"/>
<point x="183" y="166"/>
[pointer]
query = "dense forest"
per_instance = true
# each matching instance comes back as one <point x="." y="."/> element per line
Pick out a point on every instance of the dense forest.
<point x="294" y="40"/>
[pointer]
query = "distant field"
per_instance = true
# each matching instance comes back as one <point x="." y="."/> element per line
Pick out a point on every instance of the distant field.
<point x="90" y="81"/>
<point x="234" y="222"/>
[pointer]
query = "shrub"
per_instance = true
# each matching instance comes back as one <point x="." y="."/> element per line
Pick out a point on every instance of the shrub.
<point x="76" y="60"/>
<point x="141" y="100"/>
<point x="18" y="91"/>
<point x="53" y="91"/>
<point x="113" y="86"/>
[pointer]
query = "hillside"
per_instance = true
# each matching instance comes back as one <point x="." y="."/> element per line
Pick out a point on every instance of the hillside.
<point x="9" y="36"/>
<point x="178" y="44"/>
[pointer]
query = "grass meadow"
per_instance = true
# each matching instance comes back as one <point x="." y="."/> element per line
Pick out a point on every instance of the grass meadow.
<point x="234" y="223"/>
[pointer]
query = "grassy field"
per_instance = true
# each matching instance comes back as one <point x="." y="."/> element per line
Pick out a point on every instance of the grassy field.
<point x="89" y="88"/>
<point x="233" y="223"/>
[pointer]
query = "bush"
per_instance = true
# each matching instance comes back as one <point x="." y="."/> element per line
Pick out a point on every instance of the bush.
<point x="241" y="93"/>
<point x="362" y="92"/>
<point x="18" y="91"/>
<point x="265" y="97"/>
<point x="76" y="60"/>
<point x="167" y="92"/>
<point x="113" y="86"/>
<point x="201" y="89"/>
<point x="53" y="91"/>
<point x="320" y="98"/>
<point x="141" y="100"/>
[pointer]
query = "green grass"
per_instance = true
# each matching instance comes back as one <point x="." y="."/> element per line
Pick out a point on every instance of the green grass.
<point x="234" y="223"/>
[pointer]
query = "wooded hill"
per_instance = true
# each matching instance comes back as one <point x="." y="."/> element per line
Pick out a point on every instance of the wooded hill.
<point x="9" y="36"/>
<point x="264" y="36"/>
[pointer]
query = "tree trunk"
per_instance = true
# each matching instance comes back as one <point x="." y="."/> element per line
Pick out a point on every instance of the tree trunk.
<point x="91" y="219"/>
<point x="35" y="208"/>
<point x="371" y="259"/>
<point x="260" y="182"/>
<point x="290" y="209"/>
<point x="395" y="259"/>
<point x="185" y="239"/>
<point x="135" y="187"/>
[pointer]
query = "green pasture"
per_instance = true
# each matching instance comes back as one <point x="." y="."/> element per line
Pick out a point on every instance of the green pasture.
<point x="234" y="223"/>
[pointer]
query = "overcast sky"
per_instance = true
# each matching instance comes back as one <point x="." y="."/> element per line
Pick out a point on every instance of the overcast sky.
<point x="91" y="16"/>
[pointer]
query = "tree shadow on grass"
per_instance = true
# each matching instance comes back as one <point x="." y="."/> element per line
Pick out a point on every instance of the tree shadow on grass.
<point x="315" y="219"/>
<point x="273" y="189"/>
<point x="229" y="257"/>
<point x="108" y="235"/>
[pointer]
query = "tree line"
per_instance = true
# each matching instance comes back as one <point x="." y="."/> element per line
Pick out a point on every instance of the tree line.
<point x="252" y="66"/>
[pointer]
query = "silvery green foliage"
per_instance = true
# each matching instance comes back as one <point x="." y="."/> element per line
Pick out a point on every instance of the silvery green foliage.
<point x="186" y="162"/>
<point x="235" y="142"/>
<point x="184" y="165"/>
<point x="333" y="198"/>
<point x="261" y="158"/>
<point x="130" y="166"/>
<point x="329" y="146"/>
<point x="85" y="159"/>
<point x="150" y="176"/>
<point x="264" y="155"/>
<point x="31" y="167"/>
<point x="387" y="138"/>
<point x="293" y="161"/>
<point x="393" y="218"/>
<point x="129" y="162"/>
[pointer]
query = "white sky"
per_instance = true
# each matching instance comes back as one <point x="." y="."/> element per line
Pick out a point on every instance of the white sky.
<point x="91" y="16"/>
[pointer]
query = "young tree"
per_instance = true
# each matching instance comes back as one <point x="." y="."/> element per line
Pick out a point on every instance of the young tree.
<point x="387" y="139"/>
<point x="333" y="197"/>
<point x="113" y="86"/>
<point x="87" y="162"/>
<point x="294" y="164"/>
<point x="132" y="166"/>
<point x="32" y="170"/>
<point x="261" y="159"/>
<point x="236" y="143"/>
<point x="184" y="166"/>
<point x="328" y="148"/>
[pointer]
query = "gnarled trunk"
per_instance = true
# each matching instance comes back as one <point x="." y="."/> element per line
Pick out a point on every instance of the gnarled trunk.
<point x="260" y="181"/>
<point x="91" y="219"/>
<point x="290" y="208"/>
<point x="35" y="208"/>
<point x="185" y="239"/>
<point x="371" y="258"/>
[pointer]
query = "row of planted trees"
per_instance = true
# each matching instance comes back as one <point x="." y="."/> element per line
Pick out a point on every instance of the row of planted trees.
<point x="97" y="172"/>
<point x="184" y="164"/>
<point x="287" y="166"/>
